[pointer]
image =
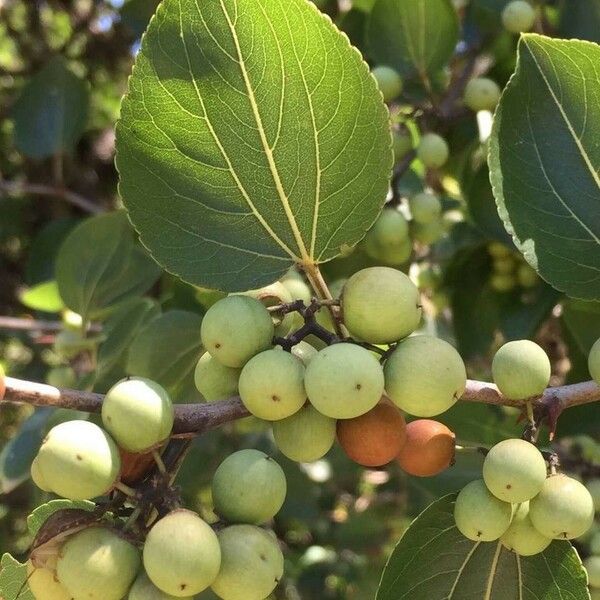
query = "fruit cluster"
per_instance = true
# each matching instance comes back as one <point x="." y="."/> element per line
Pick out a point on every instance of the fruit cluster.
<point x="509" y="270"/>
<point x="517" y="503"/>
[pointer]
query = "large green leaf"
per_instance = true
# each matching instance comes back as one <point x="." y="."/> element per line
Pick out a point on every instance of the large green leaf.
<point x="433" y="560"/>
<point x="100" y="265"/>
<point x="252" y="137"/>
<point x="51" y="113"/>
<point x="545" y="161"/>
<point x="413" y="35"/>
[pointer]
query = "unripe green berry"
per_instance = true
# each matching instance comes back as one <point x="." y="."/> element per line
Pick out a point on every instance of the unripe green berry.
<point x="37" y="477"/>
<point x="391" y="256"/>
<point x="214" y="380"/>
<point x="78" y="460"/>
<point x="594" y="361"/>
<point x="522" y="537"/>
<point x="503" y="265"/>
<point x="97" y="564"/>
<point x="390" y="229"/>
<point x="425" y="207"/>
<point x="563" y="509"/>
<point x="482" y="93"/>
<point x="433" y="150"/>
<point x="388" y="81"/>
<point x="428" y="233"/>
<point x="182" y="555"/>
<point x="235" y="329"/>
<point x="298" y="288"/>
<point x="248" y="487"/>
<point x="380" y="305"/>
<point x="425" y="376"/>
<point x="514" y="470"/>
<point x="251" y="566"/>
<point x="275" y="294"/>
<point x="344" y="381"/>
<point x="592" y="566"/>
<point x="44" y="585"/>
<point x="138" y="413"/>
<point x="144" y="589"/>
<point x="521" y="369"/>
<point x="527" y="276"/>
<point x="593" y="487"/>
<point x="306" y="436"/>
<point x="272" y="385"/>
<point x="402" y="144"/>
<point x="498" y="250"/>
<point x="518" y="16"/>
<point x="61" y="377"/>
<point x="479" y="515"/>
<point x="502" y="282"/>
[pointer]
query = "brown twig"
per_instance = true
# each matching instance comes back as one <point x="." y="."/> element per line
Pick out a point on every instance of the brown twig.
<point x="23" y="324"/>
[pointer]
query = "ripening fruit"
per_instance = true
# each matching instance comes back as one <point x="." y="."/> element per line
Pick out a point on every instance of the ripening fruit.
<point x="78" y="460"/>
<point x="138" y="413"/>
<point x="390" y="230"/>
<point x="425" y="207"/>
<point x="502" y="282"/>
<point x="235" y="329"/>
<point x="274" y="295"/>
<point x="248" y="487"/>
<point x="521" y="369"/>
<point x="498" y="250"/>
<point x="482" y="93"/>
<point x="388" y="81"/>
<point x="425" y="376"/>
<point x="479" y="515"/>
<point x="563" y="509"/>
<point x="44" y="585"/>
<point x="428" y="233"/>
<point x="251" y="564"/>
<point x="375" y="438"/>
<point x="380" y="305"/>
<point x="518" y="16"/>
<point x="514" y="470"/>
<point x="182" y="555"/>
<point x="522" y="537"/>
<point x="527" y="276"/>
<point x="592" y="566"/>
<point x="594" y="361"/>
<point x="305" y="436"/>
<point x="144" y="589"/>
<point x="402" y="144"/>
<point x="97" y="564"/>
<point x="214" y="380"/>
<point x="344" y="381"/>
<point x="428" y="450"/>
<point x="272" y="385"/>
<point x="433" y="150"/>
<point x="593" y="487"/>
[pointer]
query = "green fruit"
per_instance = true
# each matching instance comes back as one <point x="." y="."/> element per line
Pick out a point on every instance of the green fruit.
<point x="425" y="376"/>
<point x="402" y="144"/>
<point x="479" y="515"/>
<point x="428" y="277"/>
<point x="144" y="589"/>
<point x="527" y="276"/>
<point x="521" y="369"/>
<point x="97" y="564"/>
<point x="594" y="362"/>
<point x="514" y="470"/>
<point x="274" y="295"/>
<point x="518" y="16"/>
<point x="214" y="380"/>
<point x="248" y="487"/>
<point x="138" y="413"/>
<point x="593" y="487"/>
<point x="387" y="255"/>
<point x="388" y="81"/>
<point x="482" y="93"/>
<point x="61" y="377"/>
<point x="390" y="230"/>
<point x="595" y="542"/>
<point x="78" y="460"/>
<point x="592" y="566"/>
<point x="304" y="351"/>
<point x="272" y="385"/>
<point x="37" y="477"/>
<point x="182" y="555"/>
<point x="425" y="207"/>
<point x="433" y="150"/>
<point x="344" y="381"/>
<point x="251" y="566"/>
<point x="563" y="509"/>
<point x="207" y="297"/>
<point x="298" y="289"/>
<point x="235" y="329"/>
<point x="499" y="250"/>
<point x="522" y="537"/>
<point x="380" y="305"/>
<point x="502" y="282"/>
<point x="44" y="585"/>
<point x="428" y="233"/>
<point x="306" y="436"/>
<point x="504" y="265"/>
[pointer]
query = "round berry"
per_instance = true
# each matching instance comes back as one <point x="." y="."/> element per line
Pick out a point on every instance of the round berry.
<point x="482" y="93"/>
<point x="518" y="16"/>
<point x="214" y="380"/>
<point x="522" y="537"/>
<point x="594" y="361"/>
<point x="433" y="150"/>
<point x="388" y="81"/>
<point x="425" y="207"/>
